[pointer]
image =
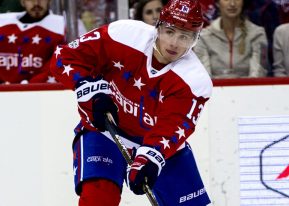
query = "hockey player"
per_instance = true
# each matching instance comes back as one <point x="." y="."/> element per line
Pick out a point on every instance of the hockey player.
<point x="155" y="87"/>
<point x="27" y="42"/>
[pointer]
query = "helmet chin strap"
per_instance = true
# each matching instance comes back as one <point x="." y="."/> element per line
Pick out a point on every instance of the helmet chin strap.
<point x="157" y="49"/>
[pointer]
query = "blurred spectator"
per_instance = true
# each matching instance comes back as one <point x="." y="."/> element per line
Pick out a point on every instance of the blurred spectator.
<point x="95" y="13"/>
<point x="209" y="11"/>
<point x="284" y="11"/>
<point x="148" y="11"/>
<point x="89" y="20"/>
<point x="10" y="6"/>
<point x="27" y="41"/>
<point x="232" y="46"/>
<point x="281" y="50"/>
<point x="265" y="13"/>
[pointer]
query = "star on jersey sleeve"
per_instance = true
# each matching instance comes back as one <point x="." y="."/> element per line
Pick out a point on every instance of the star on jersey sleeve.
<point x="161" y="97"/>
<point x="118" y="65"/>
<point x="165" y="143"/>
<point x="180" y="132"/>
<point x="57" y="51"/>
<point x="67" y="69"/>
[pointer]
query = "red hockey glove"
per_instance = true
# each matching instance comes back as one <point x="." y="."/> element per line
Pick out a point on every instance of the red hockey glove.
<point x="146" y="167"/>
<point x="94" y="102"/>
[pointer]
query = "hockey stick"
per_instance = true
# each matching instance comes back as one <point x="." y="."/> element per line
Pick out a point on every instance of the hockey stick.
<point x="111" y="129"/>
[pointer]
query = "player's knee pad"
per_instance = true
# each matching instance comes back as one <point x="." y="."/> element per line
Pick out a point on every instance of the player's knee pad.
<point x="99" y="192"/>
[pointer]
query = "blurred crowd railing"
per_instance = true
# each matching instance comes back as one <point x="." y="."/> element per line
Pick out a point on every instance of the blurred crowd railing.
<point x="216" y="82"/>
<point x="251" y="81"/>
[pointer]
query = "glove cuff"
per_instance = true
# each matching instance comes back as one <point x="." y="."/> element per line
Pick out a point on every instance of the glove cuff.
<point x="153" y="155"/>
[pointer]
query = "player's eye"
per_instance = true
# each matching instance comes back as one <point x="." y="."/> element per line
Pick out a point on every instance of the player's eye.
<point x="148" y="12"/>
<point x="184" y="37"/>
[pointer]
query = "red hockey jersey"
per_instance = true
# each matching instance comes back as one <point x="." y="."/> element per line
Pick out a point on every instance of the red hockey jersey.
<point x="25" y="49"/>
<point x="162" y="107"/>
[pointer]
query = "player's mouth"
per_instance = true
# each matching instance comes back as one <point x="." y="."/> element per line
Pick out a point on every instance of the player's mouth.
<point x="37" y="9"/>
<point x="171" y="52"/>
<point x="232" y="11"/>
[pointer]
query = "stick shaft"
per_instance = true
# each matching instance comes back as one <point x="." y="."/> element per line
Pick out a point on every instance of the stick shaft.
<point x="124" y="151"/>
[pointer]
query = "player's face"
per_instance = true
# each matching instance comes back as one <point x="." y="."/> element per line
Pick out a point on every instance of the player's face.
<point x="173" y="43"/>
<point x="230" y="8"/>
<point x="151" y="12"/>
<point x="36" y="8"/>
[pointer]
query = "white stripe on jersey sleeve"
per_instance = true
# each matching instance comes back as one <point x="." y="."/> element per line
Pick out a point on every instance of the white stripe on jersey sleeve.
<point x="135" y="34"/>
<point x="192" y="71"/>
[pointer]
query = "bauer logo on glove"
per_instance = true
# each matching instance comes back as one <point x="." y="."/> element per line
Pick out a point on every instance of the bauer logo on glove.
<point x="87" y="88"/>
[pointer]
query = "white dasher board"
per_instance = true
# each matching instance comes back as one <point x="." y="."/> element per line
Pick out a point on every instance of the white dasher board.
<point x="264" y="161"/>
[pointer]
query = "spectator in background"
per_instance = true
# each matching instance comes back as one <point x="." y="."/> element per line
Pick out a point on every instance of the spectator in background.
<point x="209" y="11"/>
<point x="269" y="14"/>
<point x="148" y="11"/>
<point x="284" y="11"/>
<point x="281" y="50"/>
<point x="27" y="41"/>
<point x="95" y="13"/>
<point x="265" y="13"/>
<point x="232" y="46"/>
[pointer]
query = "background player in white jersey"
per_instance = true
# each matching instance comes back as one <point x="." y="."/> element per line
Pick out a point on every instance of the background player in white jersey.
<point x="27" y="41"/>
<point x="155" y="87"/>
